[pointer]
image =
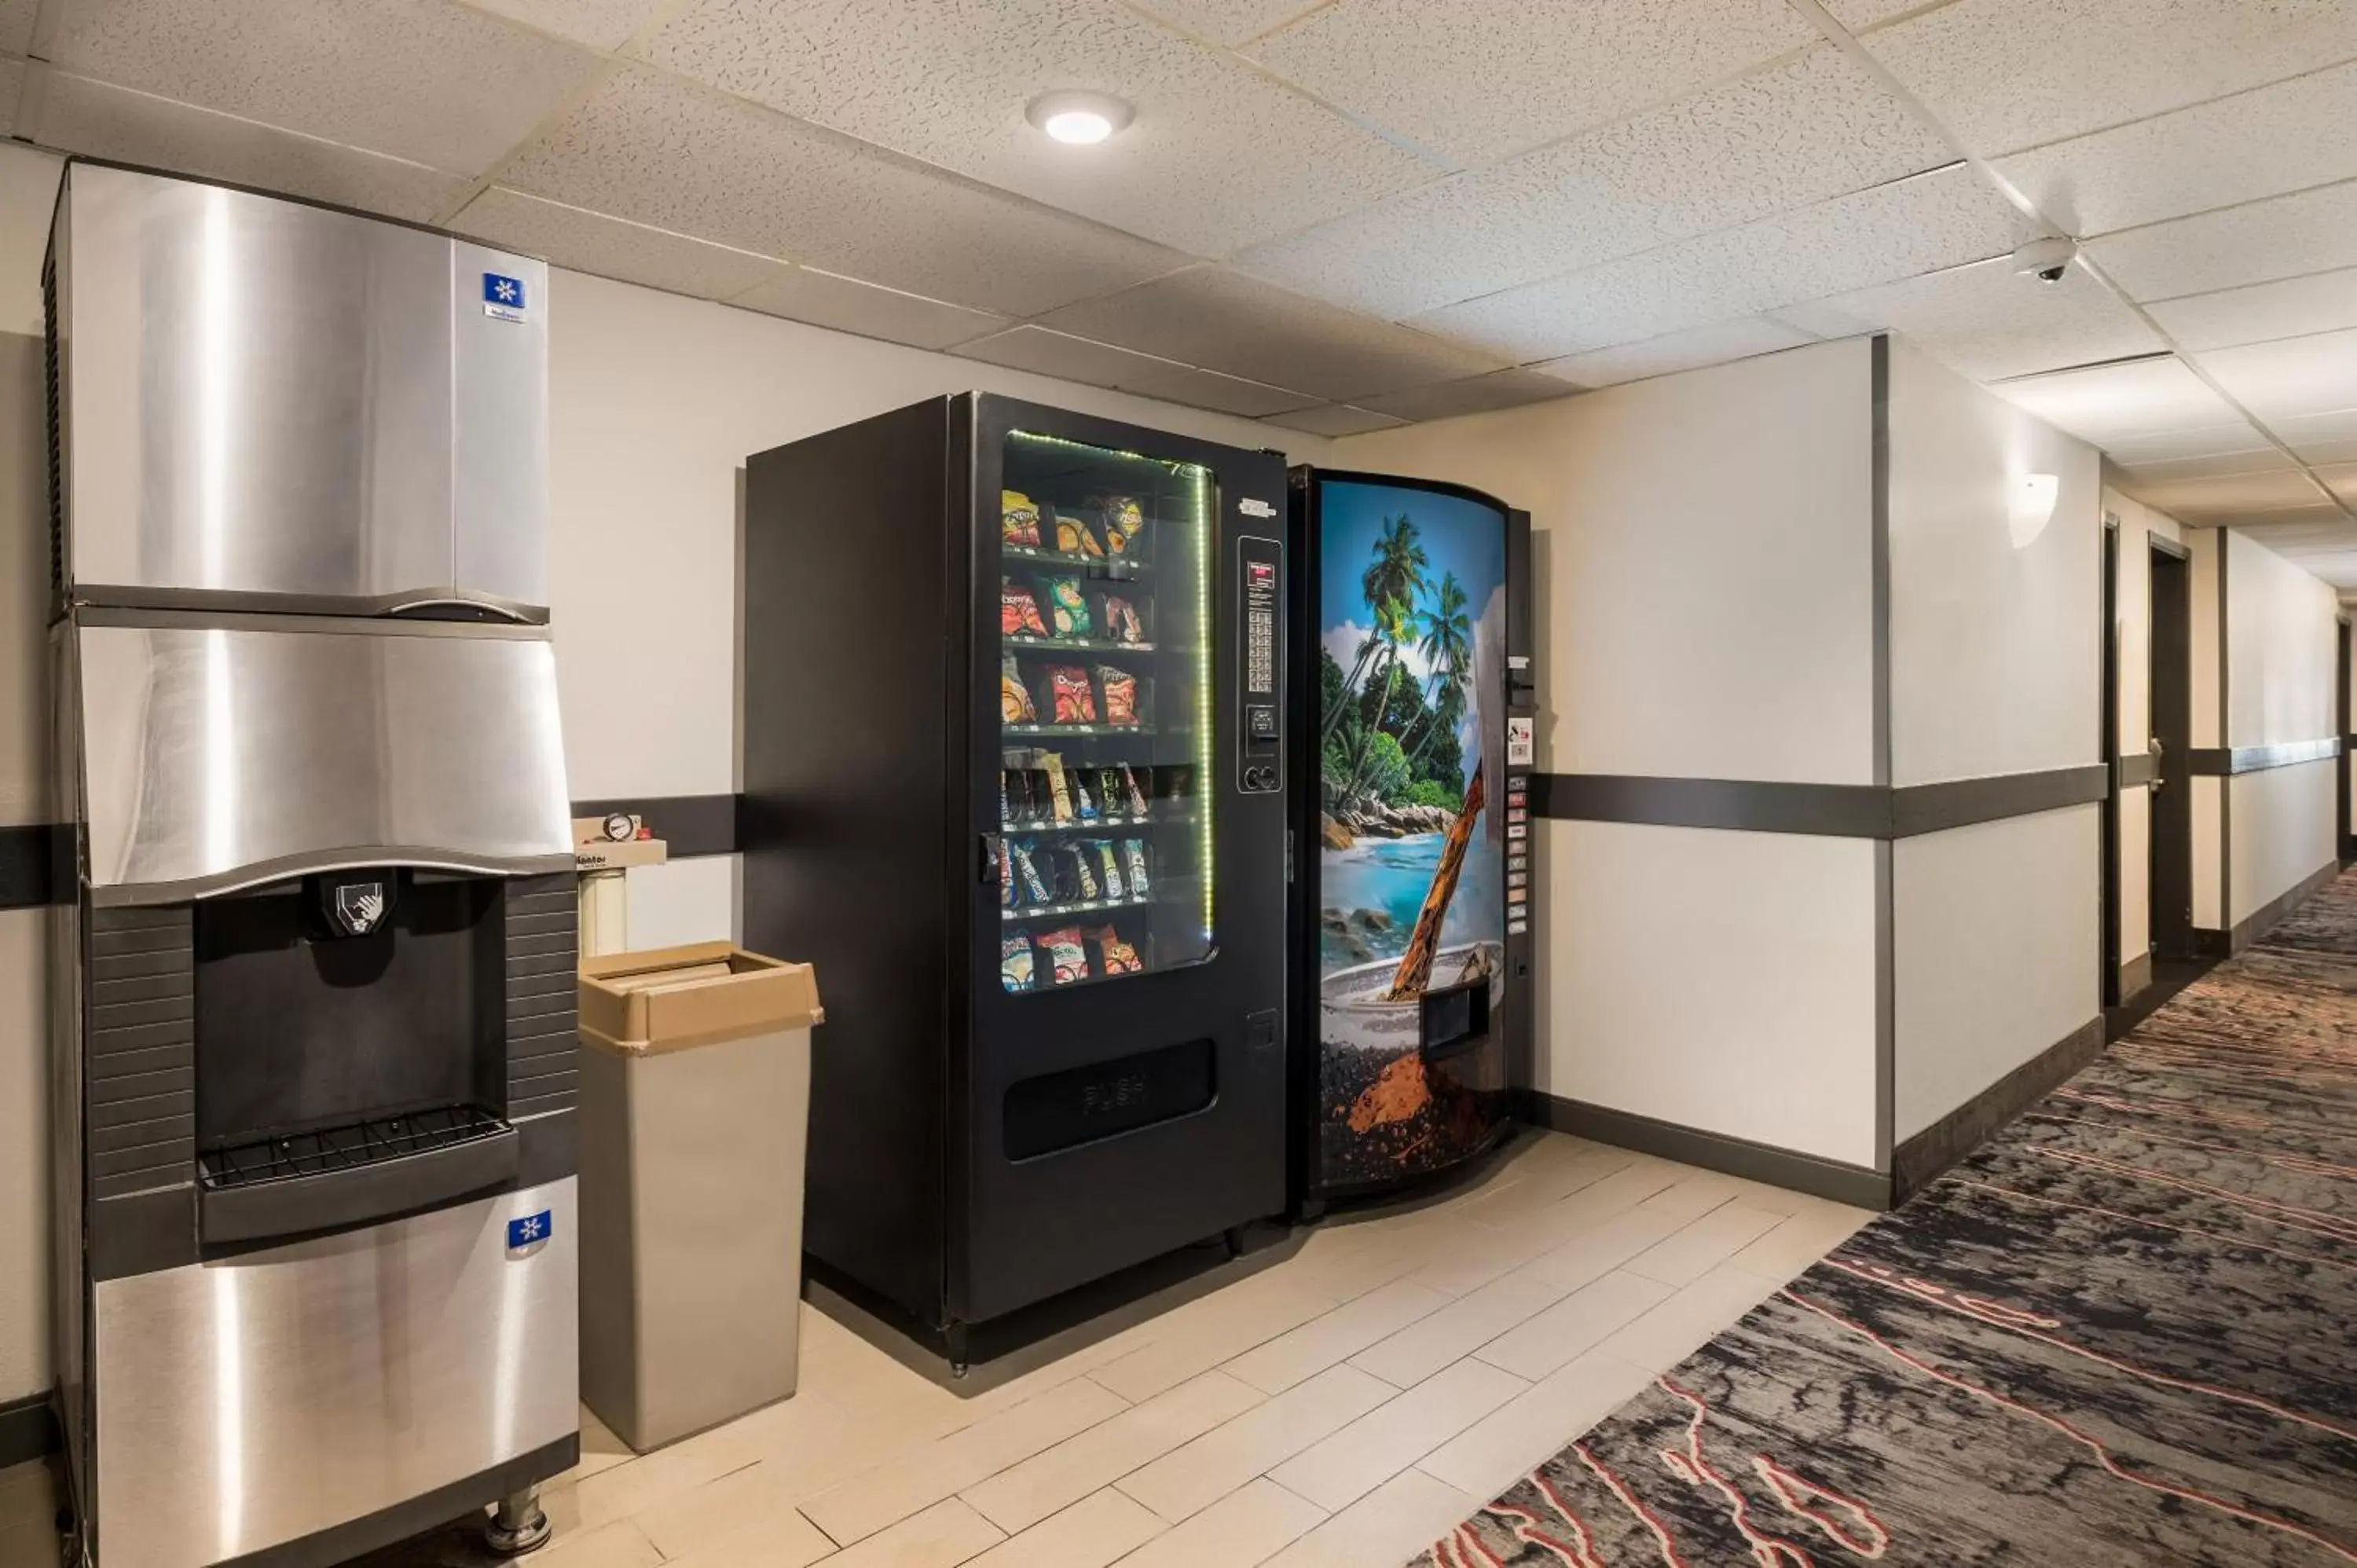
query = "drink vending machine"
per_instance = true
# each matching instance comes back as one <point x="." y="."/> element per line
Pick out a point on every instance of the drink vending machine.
<point x="1412" y="726"/>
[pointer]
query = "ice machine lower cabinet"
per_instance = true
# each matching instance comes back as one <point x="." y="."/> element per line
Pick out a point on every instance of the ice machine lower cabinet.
<point x="1404" y="1066"/>
<point x="250" y="1400"/>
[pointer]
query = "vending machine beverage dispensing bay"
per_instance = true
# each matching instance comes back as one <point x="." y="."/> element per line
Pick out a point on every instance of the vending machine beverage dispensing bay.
<point x="1412" y="725"/>
<point x="1016" y="781"/>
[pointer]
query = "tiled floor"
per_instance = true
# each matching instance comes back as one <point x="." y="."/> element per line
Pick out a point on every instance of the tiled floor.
<point x="1339" y="1400"/>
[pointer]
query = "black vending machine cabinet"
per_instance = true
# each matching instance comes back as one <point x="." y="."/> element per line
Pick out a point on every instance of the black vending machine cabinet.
<point x="1015" y="781"/>
<point x="1412" y="742"/>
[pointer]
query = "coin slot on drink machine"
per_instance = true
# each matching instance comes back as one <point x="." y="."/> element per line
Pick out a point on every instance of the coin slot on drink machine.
<point x="1261" y="587"/>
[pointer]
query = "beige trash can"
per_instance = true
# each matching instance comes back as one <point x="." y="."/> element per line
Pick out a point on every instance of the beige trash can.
<point x="695" y="1112"/>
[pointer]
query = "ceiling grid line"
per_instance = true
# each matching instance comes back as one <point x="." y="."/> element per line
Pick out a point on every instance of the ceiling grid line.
<point x="1841" y="35"/>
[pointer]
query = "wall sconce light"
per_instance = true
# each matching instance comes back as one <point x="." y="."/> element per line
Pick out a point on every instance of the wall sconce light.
<point x="2030" y="507"/>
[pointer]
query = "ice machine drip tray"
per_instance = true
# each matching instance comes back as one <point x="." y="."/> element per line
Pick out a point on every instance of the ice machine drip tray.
<point x="349" y="1174"/>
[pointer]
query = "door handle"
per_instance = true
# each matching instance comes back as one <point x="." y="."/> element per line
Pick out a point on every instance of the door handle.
<point x="2159" y="777"/>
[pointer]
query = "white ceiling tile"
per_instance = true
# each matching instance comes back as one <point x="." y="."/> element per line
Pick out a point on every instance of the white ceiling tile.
<point x="82" y="116"/>
<point x="1987" y="322"/>
<point x="421" y="79"/>
<point x="1712" y="345"/>
<point x="665" y="153"/>
<point x="1218" y="154"/>
<point x="1048" y="353"/>
<point x="2341" y="478"/>
<point x="2292" y="377"/>
<point x="847" y="305"/>
<point x="2258" y="144"/>
<point x="2320" y="437"/>
<point x="2285" y="236"/>
<point x="16" y="25"/>
<point x="2334" y="561"/>
<point x="1813" y="127"/>
<point x="2236" y="437"/>
<point x="612" y="247"/>
<point x="2316" y="528"/>
<point x="1224" y="321"/>
<point x="1478" y="80"/>
<point x="1859" y="14"/>
<point x="12" y="87"/>
<point x="1337" y="419"/>
<point x="604" y="24"/>
<point x="2010" y="74"/>
<point x="1476" y="395"/>
<point x="2261" y="460"/>
<point x="2135" y="402"/>
<point x="2223" y="494"/>
<point x="1938" y="220"/>
<point x="1228" y="22"/>
<point x="2291" y="307"/>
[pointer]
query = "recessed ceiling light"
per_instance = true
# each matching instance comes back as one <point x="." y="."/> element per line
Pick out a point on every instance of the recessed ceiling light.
<point x="1078" y="117"/>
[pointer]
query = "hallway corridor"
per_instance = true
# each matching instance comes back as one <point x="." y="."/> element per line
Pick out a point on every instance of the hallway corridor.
<point x="2121" y="1333"/>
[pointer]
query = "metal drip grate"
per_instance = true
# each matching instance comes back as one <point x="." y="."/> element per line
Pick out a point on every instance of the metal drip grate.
<point x="343" y="1148"/>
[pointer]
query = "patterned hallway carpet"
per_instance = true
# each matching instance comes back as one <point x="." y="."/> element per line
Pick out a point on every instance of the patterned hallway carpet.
<point x="2124" y="1332"/>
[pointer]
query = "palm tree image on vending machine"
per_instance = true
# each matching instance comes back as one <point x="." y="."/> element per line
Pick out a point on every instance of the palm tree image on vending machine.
<point x="1410" y="666"/>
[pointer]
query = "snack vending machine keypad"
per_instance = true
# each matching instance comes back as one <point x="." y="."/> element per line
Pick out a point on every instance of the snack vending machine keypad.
<point x="1260" y="586"/>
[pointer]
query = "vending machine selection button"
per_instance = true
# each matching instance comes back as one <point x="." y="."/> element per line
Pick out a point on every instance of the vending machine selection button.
<point x="1518" y="894"/>
<point x="1516" y="927"/>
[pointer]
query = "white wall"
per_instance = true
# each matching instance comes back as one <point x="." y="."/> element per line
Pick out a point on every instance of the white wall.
<point x="1996" y="932"/>
<point x="1996" y="637"/>
<point x="2282" y="642"/>
<point x="1723" y="981"/>
<point x="1707" y="605"/>
<point x="654" y="402"/>
<point x="1703" y="561"/>
<point x="1995" y="668"/>
<point x="2281" y="646"/>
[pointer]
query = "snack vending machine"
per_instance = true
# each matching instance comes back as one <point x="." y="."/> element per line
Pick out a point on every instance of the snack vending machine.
<point x="1413" y="729"/>
<point x="1016" y="781"/>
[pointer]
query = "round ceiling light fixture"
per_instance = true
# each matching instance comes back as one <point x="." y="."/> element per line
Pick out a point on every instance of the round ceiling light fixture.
<point x="1078" y="117"/>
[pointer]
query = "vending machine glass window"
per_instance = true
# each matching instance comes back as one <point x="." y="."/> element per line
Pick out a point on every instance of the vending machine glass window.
<point x="1106" y="722"/>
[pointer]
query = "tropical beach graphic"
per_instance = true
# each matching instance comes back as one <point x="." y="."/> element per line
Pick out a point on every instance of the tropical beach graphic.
<point x="1410" y="652"/>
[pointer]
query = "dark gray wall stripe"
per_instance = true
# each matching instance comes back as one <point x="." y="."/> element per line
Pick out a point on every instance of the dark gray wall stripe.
<point x="688" y="824"/>
<point x="2213" y="762"/>
<point x="2142" y="767"/>
<point x="1786" y="1168"/>
<point x="1935" y="807"/>
<point x="1830" y="811"/>
<point x="29" y="1430"/>
<point x="1834" y="811"/>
